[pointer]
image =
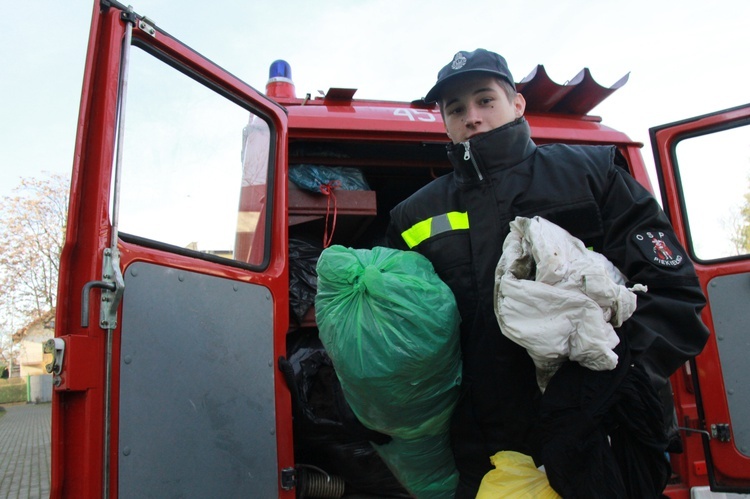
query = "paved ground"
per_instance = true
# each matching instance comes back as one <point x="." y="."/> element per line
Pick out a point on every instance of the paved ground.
<point x="25" y="451"/>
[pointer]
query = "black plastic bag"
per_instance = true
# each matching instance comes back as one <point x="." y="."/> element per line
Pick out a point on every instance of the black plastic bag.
<point x="303" y="278"/>
<point x="327" y="434"/>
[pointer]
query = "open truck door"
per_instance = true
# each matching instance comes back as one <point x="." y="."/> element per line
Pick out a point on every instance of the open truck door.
<point x="704" y="169"/>
<point x="173" y="298"/>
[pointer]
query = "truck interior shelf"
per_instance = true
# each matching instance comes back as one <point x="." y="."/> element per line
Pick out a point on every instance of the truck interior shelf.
<point x="306" y="205"/>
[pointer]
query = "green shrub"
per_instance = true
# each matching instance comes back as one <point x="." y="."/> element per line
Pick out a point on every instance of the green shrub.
<point x="12" y="390"/>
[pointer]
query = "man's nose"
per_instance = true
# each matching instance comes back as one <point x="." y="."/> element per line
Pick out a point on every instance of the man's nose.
<point x="472" y="116"/>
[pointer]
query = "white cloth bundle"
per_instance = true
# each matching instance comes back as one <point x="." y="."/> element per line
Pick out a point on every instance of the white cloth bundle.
<point x="558" y="299"/>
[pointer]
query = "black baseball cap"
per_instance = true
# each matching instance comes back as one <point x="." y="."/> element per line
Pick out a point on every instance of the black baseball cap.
<point x="480" y="60"/>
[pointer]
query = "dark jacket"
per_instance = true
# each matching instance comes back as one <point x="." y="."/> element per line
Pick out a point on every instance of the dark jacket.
<point x="460" y="221"/>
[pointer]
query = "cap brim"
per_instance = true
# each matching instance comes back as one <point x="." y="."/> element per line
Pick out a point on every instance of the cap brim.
<point x="434" y="94"/>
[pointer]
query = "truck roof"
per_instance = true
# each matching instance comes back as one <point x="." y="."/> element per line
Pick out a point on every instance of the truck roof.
<point x="556" y="112"/>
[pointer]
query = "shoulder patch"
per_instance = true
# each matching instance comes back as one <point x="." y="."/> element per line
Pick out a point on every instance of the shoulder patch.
<point x="658" y="248"/>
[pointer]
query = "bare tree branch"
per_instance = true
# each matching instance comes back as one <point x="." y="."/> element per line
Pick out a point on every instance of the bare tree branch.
<point x="32" y="232"/>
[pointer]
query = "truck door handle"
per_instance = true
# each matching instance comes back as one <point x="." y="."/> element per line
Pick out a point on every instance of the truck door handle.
<point x="111" y="286"/>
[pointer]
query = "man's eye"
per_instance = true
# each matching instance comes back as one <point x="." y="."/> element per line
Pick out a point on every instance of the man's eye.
<point x="455" y="110"/>
<point x="486" y="100"/>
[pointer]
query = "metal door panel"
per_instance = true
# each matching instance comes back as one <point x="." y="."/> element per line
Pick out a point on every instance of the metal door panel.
<point x="197" y="414"/>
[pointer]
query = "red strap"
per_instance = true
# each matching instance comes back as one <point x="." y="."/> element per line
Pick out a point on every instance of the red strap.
<point x="328" y="189"/>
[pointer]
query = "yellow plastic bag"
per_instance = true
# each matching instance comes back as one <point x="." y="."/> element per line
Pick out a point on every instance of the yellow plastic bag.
<point x="515" y="477"/>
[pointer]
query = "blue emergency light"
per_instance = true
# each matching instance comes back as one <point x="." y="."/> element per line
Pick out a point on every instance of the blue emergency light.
<point x="280" y="70"/>
<point x="280" y="82"/>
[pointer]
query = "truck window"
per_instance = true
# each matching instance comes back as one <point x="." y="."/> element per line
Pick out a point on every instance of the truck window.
<point x="185" y="181"/>
<point x="714" y="173"/>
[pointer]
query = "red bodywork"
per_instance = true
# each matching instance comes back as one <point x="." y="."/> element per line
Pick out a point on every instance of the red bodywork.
<point x="729" y="468"/>
<point x="78" y="403"/>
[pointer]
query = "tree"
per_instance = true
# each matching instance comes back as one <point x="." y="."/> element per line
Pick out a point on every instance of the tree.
<point x="740" y="230"/>
<point x="32" y="232"/>
<point x="745" y="212"/>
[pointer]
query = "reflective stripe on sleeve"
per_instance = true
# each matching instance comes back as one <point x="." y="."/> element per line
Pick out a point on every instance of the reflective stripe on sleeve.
<point x="458" y="220"/>
<point x="425" y="229"/>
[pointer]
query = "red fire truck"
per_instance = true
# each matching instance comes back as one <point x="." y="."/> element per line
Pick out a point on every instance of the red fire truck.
<point x="177" y="290"/>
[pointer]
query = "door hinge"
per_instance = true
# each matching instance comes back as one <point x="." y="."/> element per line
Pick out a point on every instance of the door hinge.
<point x="147" y="26"/>
<point x="56" y="348"/>
<point x="721" y="432"/>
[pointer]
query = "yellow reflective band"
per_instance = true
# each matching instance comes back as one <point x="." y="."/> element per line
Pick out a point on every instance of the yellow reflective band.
<point x="425" y="229"/>
<point x="458" y="220"/>
<point x="417" y="233"/>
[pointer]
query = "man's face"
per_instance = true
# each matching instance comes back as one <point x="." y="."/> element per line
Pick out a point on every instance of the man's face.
<point x="477" y="103"/>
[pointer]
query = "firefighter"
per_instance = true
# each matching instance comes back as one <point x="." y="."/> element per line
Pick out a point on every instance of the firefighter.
<point x="598" y="433"/>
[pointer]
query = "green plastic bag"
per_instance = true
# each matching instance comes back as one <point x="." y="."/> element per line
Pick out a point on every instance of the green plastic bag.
<point x="424" y="466"/>
<point x="390" y="326"/>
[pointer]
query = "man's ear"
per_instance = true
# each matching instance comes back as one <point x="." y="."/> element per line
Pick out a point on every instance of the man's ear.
<point x="519" y="104"/>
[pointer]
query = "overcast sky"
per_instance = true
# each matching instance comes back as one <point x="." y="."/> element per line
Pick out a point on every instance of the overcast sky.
<point x="685" y="57"/>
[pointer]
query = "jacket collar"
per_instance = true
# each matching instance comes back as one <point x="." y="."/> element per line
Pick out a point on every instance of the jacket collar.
<point x="497" y="149"/>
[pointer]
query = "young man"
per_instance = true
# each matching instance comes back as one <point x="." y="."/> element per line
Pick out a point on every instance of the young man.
<point x="589" y="426"/>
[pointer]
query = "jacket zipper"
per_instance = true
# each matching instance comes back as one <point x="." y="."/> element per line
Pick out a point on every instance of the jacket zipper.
<point x="468" y="156"/>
